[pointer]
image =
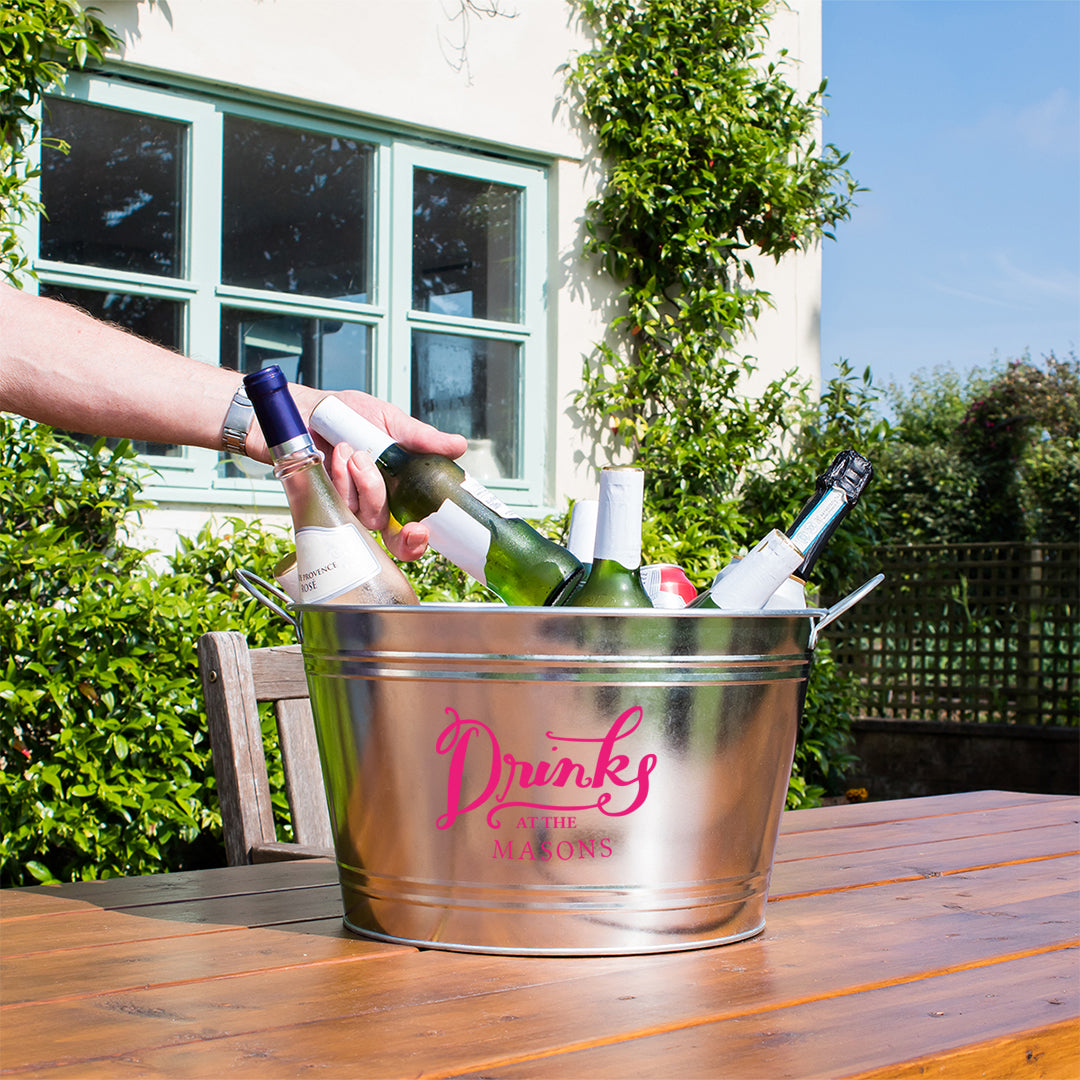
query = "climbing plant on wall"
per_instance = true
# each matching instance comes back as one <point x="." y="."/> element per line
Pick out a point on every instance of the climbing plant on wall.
<point x="40" y="41"/>
<point x="711" y="160"/>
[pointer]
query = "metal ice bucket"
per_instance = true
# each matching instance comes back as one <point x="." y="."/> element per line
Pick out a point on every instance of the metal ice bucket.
<point x="556" y="781"/>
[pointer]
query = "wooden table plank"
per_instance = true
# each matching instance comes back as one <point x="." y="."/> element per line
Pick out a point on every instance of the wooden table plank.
<point x="943" y="1021"/>
<point x="812" y="843"/>
<point x="75" y="972"/>
<point x="1048" y="1053"/>
<point x="90" y="926"/>
<point x="373" y="1011"/>
<point x="796" y="877"/>
<point x="848" y="815"/>
<point x="141" y="964"/>
<point x="114" y="893"/>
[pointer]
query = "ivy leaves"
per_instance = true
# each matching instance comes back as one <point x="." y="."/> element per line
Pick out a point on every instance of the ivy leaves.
<point x="711" y="160"/>
<point x="40" y="40"/>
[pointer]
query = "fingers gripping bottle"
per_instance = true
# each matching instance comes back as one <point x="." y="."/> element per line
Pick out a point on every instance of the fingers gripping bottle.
<point x="337" y="560"/>
<point x="466" y="523"/>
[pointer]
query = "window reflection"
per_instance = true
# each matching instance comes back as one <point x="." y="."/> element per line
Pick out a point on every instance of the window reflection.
<point x="328" y="353"/>
<point x="470" y="385"/>
<point x="465" y="246"/>
<point x="115" y="199"/>
<point x="295" y="211"/>
<point x="156" y="320"/>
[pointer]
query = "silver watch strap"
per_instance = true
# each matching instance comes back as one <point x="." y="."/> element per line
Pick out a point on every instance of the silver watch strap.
<point x="238" y="421"/>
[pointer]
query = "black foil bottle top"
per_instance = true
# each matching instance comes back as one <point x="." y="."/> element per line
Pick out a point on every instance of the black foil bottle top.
<point x="850" y="472"/>
<point x="268" y="391"/>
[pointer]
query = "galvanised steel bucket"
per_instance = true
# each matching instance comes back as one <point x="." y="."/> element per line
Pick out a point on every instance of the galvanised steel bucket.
<point x="556" y="781"/>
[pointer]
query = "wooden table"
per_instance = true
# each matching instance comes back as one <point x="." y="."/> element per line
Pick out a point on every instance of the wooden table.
<point x="924" y="937"/>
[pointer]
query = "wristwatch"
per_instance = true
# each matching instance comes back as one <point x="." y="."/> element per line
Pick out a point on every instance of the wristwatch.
<point x="238" y="421"/>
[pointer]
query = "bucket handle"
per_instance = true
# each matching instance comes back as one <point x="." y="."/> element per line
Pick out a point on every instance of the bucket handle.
<point x="255" y="585"/>
<point x="841" y="606"/>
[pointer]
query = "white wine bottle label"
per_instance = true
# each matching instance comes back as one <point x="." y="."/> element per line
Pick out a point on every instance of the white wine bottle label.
<point x="488" y="498"/>
<point x="332" y="561"/>
<point x="460" y="537"/>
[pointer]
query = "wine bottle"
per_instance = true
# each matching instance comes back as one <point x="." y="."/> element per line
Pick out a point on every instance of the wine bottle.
<point x="466" y="523"/>
<point x="615" y="577"/>
<point x="747" y="583"/>
<point x="837" y="490"/>
<point x="337" y="560"/>
<point x="581" y="536"/>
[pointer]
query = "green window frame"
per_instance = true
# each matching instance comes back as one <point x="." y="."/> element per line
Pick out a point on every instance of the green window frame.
<point x="504" y="347"/>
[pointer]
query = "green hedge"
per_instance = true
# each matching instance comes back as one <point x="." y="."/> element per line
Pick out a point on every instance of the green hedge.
<point x="105" y="765"/>
<point x="105" y="761"/>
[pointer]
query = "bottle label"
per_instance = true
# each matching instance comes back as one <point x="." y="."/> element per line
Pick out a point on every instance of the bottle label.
<point x="488" y="498"/>
<point x="332" y="561"/>
<point x="818" y="520"/>
<point x="460" y="537"/>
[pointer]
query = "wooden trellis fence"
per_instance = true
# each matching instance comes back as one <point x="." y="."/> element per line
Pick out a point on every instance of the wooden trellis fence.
<point x="973" y="632"/>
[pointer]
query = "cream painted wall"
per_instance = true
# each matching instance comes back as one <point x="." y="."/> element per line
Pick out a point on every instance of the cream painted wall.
<point x="415" y="62"/>
<point x="424" y="65"/>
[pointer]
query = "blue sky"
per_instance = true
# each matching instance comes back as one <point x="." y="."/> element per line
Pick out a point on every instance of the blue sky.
<point x="962" y="117"/>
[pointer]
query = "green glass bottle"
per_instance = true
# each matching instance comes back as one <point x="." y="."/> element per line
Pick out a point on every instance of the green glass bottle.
<point x="615" y="577"/>
<point x="466" y="523"/>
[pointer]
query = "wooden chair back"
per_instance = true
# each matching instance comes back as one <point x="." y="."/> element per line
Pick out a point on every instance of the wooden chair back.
<point x="234" y="680"/>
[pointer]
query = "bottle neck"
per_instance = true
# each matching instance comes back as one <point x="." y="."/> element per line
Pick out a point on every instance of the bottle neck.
<point x="837" y="491"/>
<point x="814" y="527"/>
<point x="295" y="455"/>
<point x="618" y="518"/>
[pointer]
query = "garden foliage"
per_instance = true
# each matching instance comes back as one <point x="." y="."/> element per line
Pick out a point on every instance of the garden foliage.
<point x="989" y="456"/>
<point x="40" y="40"/>
<point x="104" y="759"/>
<point x="710" y="163"/>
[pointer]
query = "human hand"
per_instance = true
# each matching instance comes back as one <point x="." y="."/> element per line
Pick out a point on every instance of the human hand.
<point x="355" y="474"/>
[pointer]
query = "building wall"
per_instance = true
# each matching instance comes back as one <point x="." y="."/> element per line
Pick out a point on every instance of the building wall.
<point x="445" y="71"/>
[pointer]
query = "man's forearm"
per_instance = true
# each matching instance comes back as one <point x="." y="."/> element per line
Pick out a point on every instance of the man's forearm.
<point x="51" y="361"/>
<point x="52" y="357"/>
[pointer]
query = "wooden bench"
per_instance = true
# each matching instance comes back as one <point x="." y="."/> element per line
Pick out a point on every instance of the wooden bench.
<point x="234" y="680"/>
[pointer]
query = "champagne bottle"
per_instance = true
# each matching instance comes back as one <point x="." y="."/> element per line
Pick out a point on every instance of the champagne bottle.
<point x="615" y="577"/>
<point x="837" y="490"/>
<point x="337" y="561"/>
<point x="466" y="523"/>
<point x="747" y="583"/>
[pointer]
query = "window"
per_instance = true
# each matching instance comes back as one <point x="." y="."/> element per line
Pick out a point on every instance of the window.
<point x="351" y="257"/>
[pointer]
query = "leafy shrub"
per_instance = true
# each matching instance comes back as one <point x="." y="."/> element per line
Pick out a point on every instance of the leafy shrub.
<point x="40" y="41"/>
<point x="103" y="750"/>
<point x="989" y="457"/>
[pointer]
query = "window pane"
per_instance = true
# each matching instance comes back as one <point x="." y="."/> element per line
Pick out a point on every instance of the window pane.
<point x="295" y="211"/>
<point x="115" y="200"/>
<point x="328" y="353"/>
<point x="465" y="247"/>
<point x="470" y="385"/>
<point x="156" y="320"/>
